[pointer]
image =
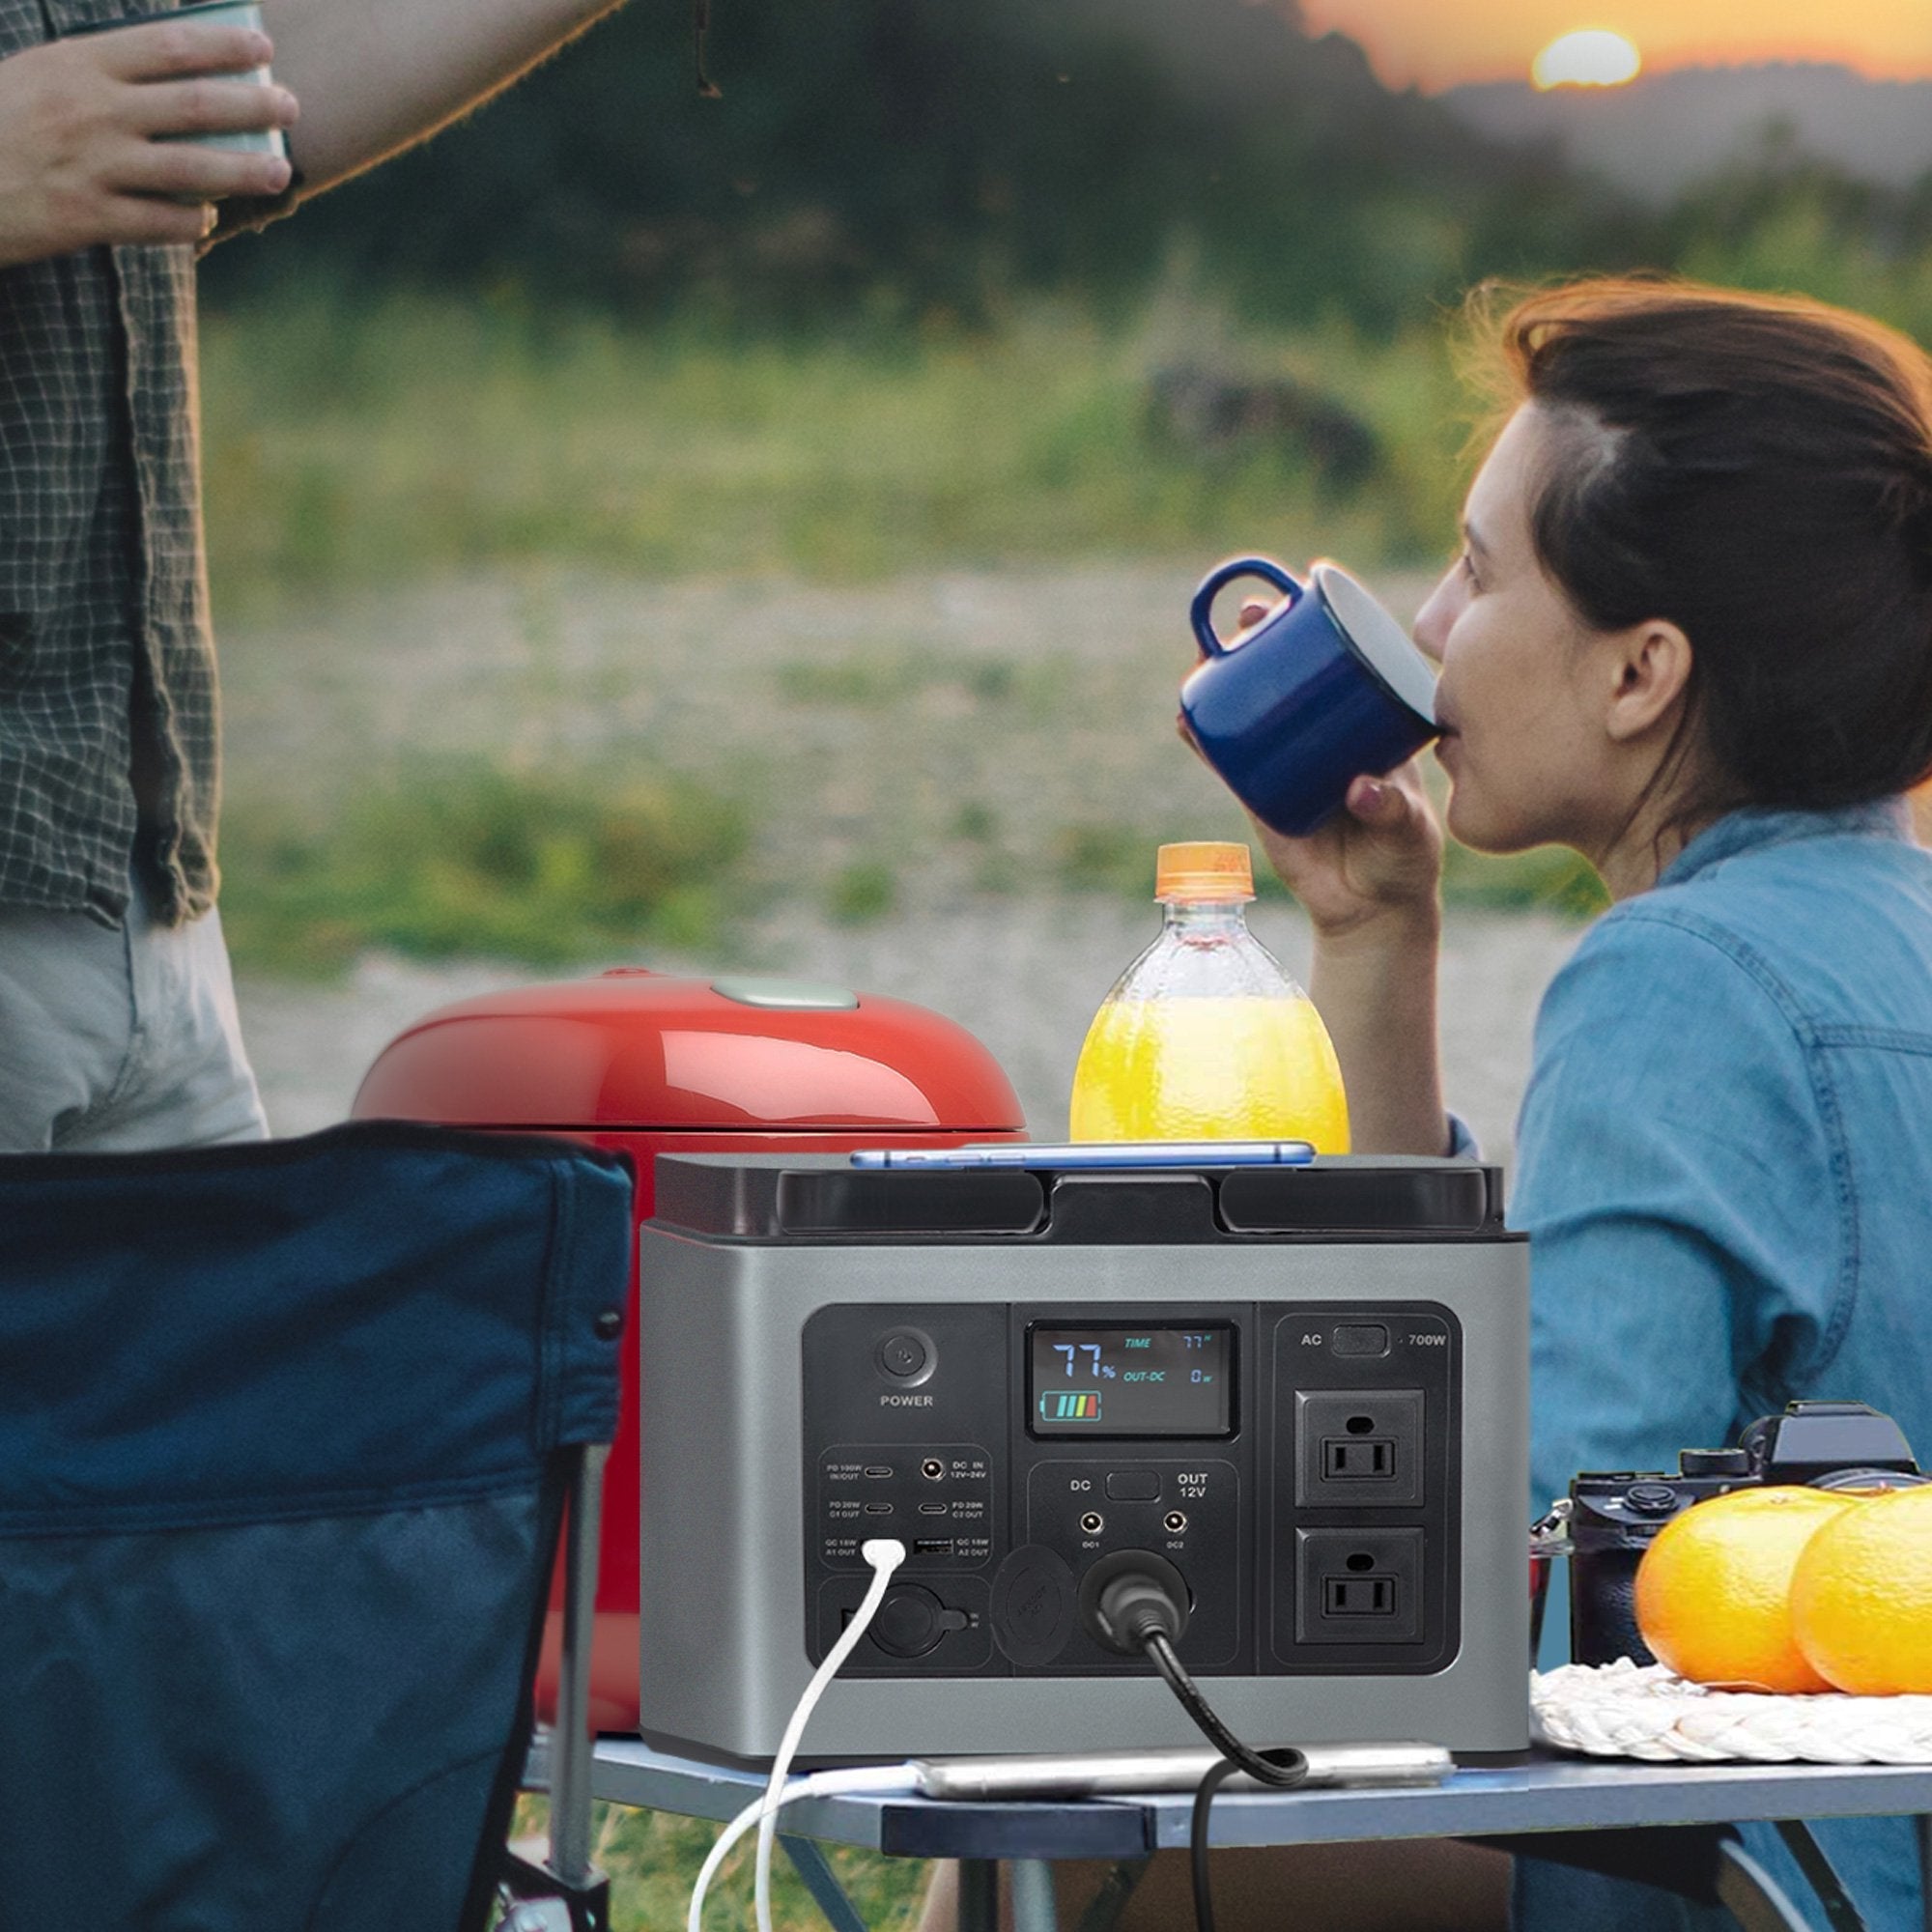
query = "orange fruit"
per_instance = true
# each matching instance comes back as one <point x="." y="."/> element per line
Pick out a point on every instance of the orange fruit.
<point x="1861" y="1596"/>
<point x="1714" y="1589"/>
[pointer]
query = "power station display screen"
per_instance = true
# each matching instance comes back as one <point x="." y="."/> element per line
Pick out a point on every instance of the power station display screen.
<point x="1132" y="1381"/>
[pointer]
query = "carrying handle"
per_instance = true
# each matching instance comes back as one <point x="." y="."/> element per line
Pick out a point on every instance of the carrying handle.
<point x="1201" y="612"/>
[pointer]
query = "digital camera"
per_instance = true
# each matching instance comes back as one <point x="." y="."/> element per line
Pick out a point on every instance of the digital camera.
<point x="1611" y="1515"/>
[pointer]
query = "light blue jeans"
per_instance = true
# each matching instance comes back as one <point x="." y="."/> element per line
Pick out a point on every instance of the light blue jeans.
<point x="112" y="1041"/>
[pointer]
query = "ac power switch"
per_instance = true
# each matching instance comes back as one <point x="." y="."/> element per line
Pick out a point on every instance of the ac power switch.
<point x="1361" y="1338"/>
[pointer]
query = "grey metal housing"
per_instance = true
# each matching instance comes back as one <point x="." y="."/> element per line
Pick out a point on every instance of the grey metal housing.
<point x="722" y="1652"/>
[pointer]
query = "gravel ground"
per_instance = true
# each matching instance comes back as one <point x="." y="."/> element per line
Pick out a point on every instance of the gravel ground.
<point x="956" y="731"/>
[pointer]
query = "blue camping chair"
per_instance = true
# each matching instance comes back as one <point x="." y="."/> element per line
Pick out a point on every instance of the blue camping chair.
<point x="286" y="1435"/>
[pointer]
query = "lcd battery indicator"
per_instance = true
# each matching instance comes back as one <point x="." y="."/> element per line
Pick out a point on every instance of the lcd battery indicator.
<point x="1069" y="1405"/>
<point x="1157" y="1378"/>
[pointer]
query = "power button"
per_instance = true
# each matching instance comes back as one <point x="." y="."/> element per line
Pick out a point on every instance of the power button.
<point x="904" y="1355"/>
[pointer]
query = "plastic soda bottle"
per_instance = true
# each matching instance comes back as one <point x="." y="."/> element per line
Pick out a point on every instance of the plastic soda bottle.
<point x="1206" y="1036"/>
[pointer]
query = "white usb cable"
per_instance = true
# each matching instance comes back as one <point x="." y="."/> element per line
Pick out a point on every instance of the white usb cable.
<point x="885" y="1554"/>
<point x="880" y="1780"/>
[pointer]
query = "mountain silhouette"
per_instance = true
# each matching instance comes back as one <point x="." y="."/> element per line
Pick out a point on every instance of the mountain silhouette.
<point x="1664" y="131"/>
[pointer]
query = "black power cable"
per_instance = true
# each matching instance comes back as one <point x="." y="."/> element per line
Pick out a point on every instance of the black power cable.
<point x="1143" y="1608"/>
<point x="1281" y="1769"/>
<point x="1197" y="1862"/>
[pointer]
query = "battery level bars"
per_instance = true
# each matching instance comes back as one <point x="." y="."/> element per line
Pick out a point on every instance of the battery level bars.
<point x="1069" y="1405"/>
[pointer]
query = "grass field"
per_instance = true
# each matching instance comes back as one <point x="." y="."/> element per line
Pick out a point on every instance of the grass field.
<point x="350" y="443"/>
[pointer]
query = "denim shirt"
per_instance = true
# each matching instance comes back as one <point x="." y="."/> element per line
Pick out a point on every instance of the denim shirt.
<point x="1724" y="1166"/>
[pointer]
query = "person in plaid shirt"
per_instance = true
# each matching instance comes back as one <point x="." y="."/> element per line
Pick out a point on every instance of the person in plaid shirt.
<point x="117" y="1017"/>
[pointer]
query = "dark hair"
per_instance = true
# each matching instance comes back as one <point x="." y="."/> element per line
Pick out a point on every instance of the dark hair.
<point x="1756" y="470"/>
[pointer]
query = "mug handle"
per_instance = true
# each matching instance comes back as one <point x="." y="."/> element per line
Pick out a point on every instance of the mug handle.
<point x="1201" y="612"/>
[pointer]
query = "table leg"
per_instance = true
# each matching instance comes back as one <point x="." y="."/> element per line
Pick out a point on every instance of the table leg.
<point x="822" y="1881"/>
<point x="1840" y="1914"/>
<point x="1103" y="1911"/>
<point x="978" y="1895"/>
<point x="1033" y="1906"/>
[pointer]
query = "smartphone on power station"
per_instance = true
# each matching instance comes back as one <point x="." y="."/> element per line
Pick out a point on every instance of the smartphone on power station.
<point x="1092" y="1153"/>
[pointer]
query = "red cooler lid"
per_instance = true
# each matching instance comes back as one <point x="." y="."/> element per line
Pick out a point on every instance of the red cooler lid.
<point x="639" y="1049"/>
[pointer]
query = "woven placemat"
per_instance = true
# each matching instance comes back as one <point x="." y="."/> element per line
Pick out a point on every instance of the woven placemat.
<point x="1645" y="1711"/>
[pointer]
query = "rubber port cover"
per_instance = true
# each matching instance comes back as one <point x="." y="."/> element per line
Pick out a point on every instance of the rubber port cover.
<point x="1034" y="1605"/>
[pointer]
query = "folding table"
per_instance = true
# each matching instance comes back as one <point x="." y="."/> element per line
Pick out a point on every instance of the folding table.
<point x="1550" y="1793"/>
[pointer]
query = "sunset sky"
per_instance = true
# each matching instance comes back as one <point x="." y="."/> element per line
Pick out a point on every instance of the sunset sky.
<point x="1434" y="45"/>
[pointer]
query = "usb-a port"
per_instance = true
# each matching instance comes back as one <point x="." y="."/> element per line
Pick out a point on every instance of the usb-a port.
<point x="932" y="1545"/>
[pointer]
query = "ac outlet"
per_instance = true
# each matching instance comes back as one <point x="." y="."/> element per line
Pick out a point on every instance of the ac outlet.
<point x="1365" y="1458"/>
<point x="1358" y="1596"/>
<point x="1358" y="1448"/>
<point x="1357" y="1586"/>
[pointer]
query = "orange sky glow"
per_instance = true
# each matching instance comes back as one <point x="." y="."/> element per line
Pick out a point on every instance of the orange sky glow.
<point x="1424" y="43"/>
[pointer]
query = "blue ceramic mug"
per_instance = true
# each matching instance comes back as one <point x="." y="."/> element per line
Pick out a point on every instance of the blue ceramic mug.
<point x="1326" y="686"/>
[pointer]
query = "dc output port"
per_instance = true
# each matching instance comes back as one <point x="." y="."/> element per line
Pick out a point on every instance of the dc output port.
<point x="1093" y="1523"/>
<point x="1174" y="1522"/>
<point x="932" y="1468"/>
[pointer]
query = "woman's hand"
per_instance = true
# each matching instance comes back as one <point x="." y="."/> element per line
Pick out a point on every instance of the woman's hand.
<point x="1377" y="863"/>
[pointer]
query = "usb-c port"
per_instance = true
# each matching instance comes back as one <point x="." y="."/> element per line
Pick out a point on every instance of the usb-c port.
<point x="934" y="1509"/>
<point x="878" y="1469"/>
<point x="878" y="1508"/>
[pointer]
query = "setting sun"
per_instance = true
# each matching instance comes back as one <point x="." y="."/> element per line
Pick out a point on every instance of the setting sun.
<point x="1591" y="57"/>
<point x="1425" y="45"/>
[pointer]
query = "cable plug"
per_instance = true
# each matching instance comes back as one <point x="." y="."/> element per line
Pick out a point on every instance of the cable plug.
<point x="1136" y="1608"/>
<point x="1130" y="1596"/>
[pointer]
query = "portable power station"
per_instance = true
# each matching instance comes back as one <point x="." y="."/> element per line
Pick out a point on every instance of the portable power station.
<point x="1303" y="1388"/>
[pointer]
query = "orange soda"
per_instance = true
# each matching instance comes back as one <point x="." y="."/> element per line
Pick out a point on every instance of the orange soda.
<point x="1206" y="1036"/>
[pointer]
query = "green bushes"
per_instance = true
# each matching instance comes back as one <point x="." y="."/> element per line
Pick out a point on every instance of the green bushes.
<point x="469" y="859"/>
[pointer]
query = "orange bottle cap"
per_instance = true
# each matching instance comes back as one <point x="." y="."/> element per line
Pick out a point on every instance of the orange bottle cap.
<point x="1204" y="870"/>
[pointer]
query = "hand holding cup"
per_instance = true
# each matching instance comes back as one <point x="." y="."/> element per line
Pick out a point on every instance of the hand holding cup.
<point x="1316" y="734"/>
<point x="107" y="136"/>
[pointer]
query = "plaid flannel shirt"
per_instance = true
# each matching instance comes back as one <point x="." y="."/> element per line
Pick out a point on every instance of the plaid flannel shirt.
<point x="108" y="719"/>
